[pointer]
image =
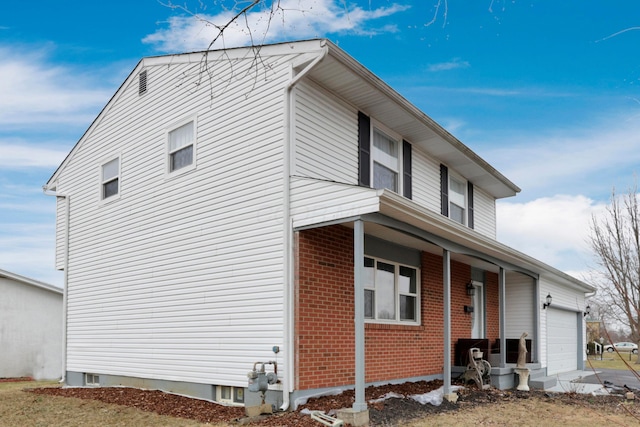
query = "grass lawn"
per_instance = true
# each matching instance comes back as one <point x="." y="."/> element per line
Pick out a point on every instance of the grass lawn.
<point x="18" y="408"/>
<point x="613" y="361"/>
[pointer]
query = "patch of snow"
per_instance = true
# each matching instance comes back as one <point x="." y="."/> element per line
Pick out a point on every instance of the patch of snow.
<point x="434" y="397"/>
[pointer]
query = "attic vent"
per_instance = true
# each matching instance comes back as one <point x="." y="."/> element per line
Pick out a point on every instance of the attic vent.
<point x="142" y="82"/>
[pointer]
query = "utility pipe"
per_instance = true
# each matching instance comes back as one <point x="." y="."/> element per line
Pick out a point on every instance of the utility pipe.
<point x="65" y="267"/>
<point x="288" y="226"/>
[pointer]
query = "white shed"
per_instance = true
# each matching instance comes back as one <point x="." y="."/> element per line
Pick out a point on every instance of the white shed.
<point x="30" y="328"/>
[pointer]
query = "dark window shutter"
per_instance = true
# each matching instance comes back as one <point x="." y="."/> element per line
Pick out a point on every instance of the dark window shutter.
<point x="444" y="190"/>
<point x="470" y="204"/>
<point x="407" y="185"/>
<point x="364" y="149"/>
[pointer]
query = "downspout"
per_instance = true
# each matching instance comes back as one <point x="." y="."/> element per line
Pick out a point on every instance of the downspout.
<point x="65" y="268"/>
<point x="288" y="227"/>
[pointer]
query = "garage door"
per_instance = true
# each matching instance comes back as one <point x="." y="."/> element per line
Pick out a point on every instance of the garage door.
<point x="562" y="341"/>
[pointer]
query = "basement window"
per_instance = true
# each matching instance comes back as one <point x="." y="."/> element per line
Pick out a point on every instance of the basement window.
<point x="91" y="380"/>
<point x="228" y="394"/>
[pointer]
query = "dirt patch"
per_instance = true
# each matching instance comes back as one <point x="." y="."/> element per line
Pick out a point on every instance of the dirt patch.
<point x="390" y="412"/>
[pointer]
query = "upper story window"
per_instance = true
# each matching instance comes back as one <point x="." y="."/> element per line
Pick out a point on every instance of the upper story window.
<point x="110" y="178"/>
<point x="391" y="291"/>
<point x="385" y="163"/>
<point x="456" y="197"/>
<point x="182" y="147"/>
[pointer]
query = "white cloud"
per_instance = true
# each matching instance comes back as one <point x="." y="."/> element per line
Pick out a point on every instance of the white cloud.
<point x="455" y="63"/>
<point x="35" y="91"/>
<point x="20" y="154"/>
<point x="590" y="160"/>
<point x="28" y="249"/>
<point x="553" y="229"/>
<point x="294" y="19"/>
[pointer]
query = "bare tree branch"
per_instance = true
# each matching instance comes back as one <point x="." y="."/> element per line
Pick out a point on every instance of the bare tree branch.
<point x="615" y="241"/>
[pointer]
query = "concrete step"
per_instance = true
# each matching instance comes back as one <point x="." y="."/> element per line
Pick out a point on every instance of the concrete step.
<point x="542" y="382"/>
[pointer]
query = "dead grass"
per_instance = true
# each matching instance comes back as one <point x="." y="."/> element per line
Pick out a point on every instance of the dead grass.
<point x="532" y="412"/>
<point x="18" y="408"/>
<point x="613" y="361"/>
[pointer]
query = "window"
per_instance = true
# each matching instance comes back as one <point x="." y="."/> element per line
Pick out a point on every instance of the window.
<point x="110" y="178"/>
<point x="182" y="147"/>
<point x="456" y="197"/>
<point x="228" y="394"/>
<point x="391" y="291"/>
<point x="387" y="162"/>
<point x="91" y="380"/>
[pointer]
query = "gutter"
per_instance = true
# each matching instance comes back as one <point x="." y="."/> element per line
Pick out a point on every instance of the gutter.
<point x="65" y="267"/>
<point x="288" y="227"/>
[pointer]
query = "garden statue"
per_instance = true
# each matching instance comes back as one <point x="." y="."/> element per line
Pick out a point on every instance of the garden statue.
<point x="521" y="366"/>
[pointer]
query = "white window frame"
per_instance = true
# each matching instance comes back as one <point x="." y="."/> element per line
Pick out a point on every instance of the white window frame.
<point x="194" y="143"/>
<point x="383" y="159"/>
<point x="103" y="181"/>
<point x="91" y="380"/>
<point x="234" y="391"/>
<point x="465" y="205"/>
<point x="397" y="294"/>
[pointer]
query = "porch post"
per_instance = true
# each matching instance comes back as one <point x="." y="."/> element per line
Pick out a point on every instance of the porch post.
<point x="503" y="309"/>
<point x="536" y="350"/>
<point x="358" y="277"/>
<point x="446" y="270"/>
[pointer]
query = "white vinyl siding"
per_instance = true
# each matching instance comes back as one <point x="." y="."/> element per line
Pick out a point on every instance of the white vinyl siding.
<point x="182" y="279"/>
<point x="520" y="292"/>
<point x="61" y="231"/>
<point x="326" y="136"/>
<point x="426" y="181"/>
<point x="484" y="213"/>
<point x="314" y="201"/>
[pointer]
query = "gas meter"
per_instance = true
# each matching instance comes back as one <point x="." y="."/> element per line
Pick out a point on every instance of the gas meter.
<point x="259" y="380"/>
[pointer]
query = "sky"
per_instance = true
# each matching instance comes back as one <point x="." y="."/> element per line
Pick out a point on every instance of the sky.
<point x="547" y="92"/>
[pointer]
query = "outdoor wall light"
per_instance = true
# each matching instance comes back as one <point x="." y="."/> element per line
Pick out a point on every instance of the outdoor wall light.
<point x="587" y="311"/>
<point x="548" y="303"/>
<point x="471" y="290"/>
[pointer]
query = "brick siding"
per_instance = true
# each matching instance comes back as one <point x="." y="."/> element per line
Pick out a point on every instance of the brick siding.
<point x="324" y="331"/>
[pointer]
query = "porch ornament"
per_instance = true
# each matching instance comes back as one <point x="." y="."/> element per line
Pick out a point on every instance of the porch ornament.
<point x="521" y="367"/>
<point x="478" y="369"/>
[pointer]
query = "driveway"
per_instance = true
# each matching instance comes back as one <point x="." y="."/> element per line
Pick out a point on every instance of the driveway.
<point x="612" y="378"/>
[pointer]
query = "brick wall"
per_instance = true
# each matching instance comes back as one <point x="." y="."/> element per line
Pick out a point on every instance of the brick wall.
<point x="324" y="316"/>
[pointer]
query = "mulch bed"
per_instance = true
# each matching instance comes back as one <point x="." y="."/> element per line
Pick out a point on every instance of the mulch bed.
<point x="390" y="412"/>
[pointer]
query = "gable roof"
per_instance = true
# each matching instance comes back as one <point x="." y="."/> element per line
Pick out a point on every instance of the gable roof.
<point x="348" y="79"/>
<point x="32" y="282"/>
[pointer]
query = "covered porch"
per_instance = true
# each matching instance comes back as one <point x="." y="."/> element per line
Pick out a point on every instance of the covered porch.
<point x="453" y="260"/>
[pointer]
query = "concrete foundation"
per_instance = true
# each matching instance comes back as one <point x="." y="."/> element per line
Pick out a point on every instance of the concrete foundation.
<point x="352" y="417"/>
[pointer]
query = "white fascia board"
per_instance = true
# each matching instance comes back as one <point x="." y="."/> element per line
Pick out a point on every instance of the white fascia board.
<point x="32" y="282"/>
<point x="396" y="205"/>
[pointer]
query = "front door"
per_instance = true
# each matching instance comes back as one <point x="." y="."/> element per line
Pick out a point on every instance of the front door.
<point x="477" y="319"/>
